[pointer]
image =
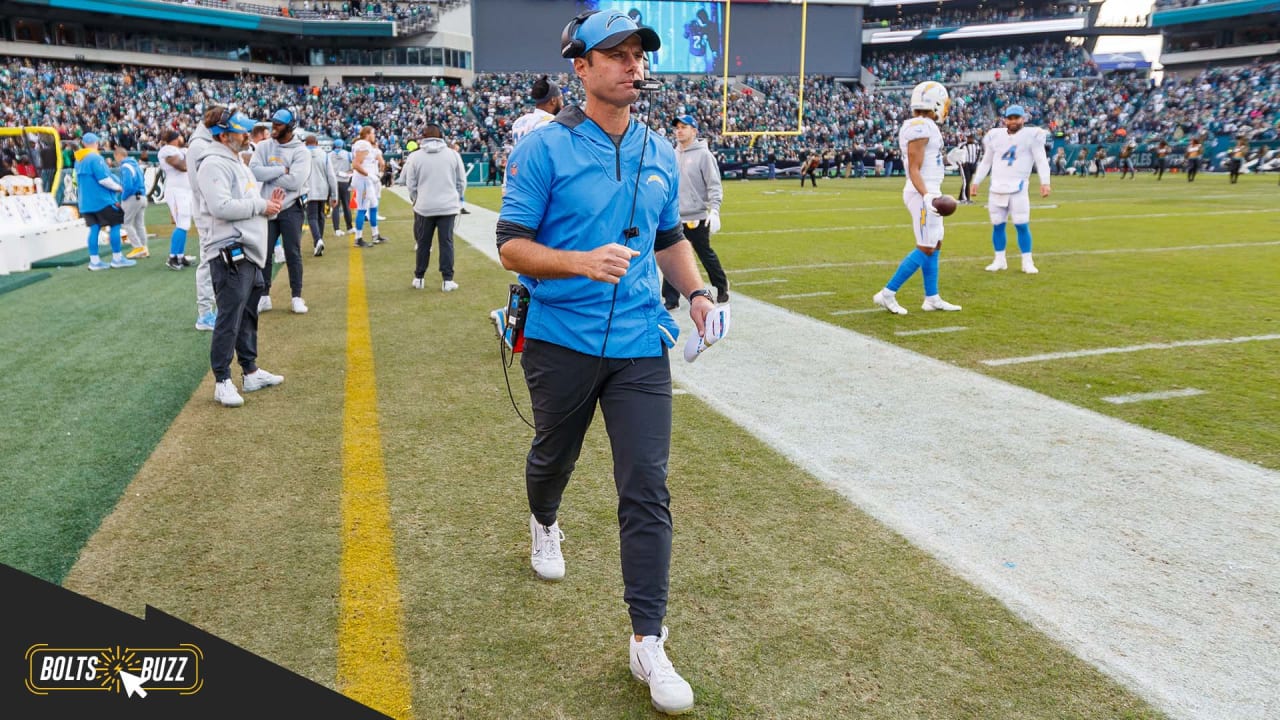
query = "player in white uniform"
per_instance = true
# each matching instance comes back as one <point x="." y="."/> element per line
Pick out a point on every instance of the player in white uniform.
<point x="548" y="102"/>
<point x="921" y="144"/>
<point x="177" y="195"/>
<point x="1008" y="154"/>
<point x="367" y="166"/>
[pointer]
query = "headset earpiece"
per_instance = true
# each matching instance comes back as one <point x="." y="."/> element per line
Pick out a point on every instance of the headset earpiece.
<point x="570" y="46"/>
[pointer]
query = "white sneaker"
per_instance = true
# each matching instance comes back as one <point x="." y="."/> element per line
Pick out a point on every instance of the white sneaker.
<point x="448" y="286"/>
<point x="937" y="303"/>
<point x="264" y="303"/>
<point x="418" y="284"/>
<point x="545" y="555"/>
<point x="1029" y="267"/>
<point x="259" y="379"/>
<point x="319" y="249"/>
<point x="649" y="664"/>
<point x="298" y="306"/>
<point x="889" y="301"/>
<point x="997" y="265"/>
<point x="339" y="233"/>
<point x="225" y="393"/>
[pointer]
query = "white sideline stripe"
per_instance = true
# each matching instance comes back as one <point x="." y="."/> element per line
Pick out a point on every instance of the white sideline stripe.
<point x="1090" y="218"/>
<point x="1128" y="349"/>
<point x="930" y="331"/>
<point x="770" y="281"/>
<point x="1150" y="557"/>
<point x="975" y="258"/>
<point x="1144" y="397"/>
<point x="806" y="295"/>
<point x="857" y="312"/>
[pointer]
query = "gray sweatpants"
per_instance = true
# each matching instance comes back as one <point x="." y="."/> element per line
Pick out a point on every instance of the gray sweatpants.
<point x="635" y="397"/>
<point x="135" y="219"/>
<point x="204" y="279"/>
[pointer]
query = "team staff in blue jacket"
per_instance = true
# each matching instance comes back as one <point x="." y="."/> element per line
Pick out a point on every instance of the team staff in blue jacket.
<point x="590" y="214"/>
<point x="135" y="202"/>
<point x="99" y="203"/>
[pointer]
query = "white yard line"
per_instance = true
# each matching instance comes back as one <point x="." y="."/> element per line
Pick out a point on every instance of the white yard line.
<point x="1150" y="396"/>
<point x="1039" y="253"/>
<point x="1151" y="558"/>
<point x="806" y="295"/>
<point x="857" y="312"/>
<point x="770" y="281"/>
<point x="1127" y="349"/>
<point x="931" y="331"/>
<point x="1091" y="218"/>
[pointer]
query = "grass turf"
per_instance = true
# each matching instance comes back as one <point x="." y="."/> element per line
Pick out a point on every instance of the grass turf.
<point x="786" y="601"/>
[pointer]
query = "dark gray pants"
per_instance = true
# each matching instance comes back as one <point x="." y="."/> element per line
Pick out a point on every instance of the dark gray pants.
<point x="288" y="227"/>
<point x="424" y="230"/>
<point x="344" y="202"/>
<point x="700" y="238"/>
<point x="315" y="220"/>
<point x="966" y="178"/>
<point x="635" y="397"/>
<point x="236" y="329"/>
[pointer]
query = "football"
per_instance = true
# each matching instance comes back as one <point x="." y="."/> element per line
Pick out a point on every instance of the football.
<point x="944" y="204"/>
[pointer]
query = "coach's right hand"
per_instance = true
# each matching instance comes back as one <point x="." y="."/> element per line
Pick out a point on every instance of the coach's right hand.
<point x="608" y="263"/>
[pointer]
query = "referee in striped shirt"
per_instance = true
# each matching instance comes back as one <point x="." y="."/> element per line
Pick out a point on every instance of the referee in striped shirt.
<point x="969" y="154"/>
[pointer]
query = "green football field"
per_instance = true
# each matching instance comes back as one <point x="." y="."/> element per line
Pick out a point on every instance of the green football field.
<point x="124" y="481"/>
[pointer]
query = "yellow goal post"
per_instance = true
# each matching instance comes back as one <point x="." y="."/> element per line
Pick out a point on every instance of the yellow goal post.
<point x="724" y="83"/>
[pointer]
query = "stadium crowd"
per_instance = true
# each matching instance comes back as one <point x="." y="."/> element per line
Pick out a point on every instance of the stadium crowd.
<point x="409" y="13"/>
<point x="838" y="119"/>
<point x="943" y="17"/>
<point x="1031" y="62"/>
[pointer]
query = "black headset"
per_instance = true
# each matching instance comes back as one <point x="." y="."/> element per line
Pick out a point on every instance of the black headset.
<point x="570" y="46"/>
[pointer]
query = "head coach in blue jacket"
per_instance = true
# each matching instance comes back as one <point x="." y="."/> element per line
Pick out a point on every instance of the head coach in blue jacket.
<point x="590" y="216"/>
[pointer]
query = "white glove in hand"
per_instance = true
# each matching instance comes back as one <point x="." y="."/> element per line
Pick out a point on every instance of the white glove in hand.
<point x="715" y="328"/>
<point x="713" y="222"/>
<point x="928" y="202"/>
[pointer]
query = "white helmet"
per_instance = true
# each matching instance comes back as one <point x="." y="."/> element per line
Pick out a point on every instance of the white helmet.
<point x="933" y="96"/>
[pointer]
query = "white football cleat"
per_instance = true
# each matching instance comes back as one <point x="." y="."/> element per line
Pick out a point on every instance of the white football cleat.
<point x="225" y="394"/>
<point x="259" y="379"/>
<point x="1029" y="267"/>
<point x="889" y="301"/>
<point x="998" y="264"/>
<point x="669" y="692"/>
<point x="937" y="303"/>
<point x="544" y="553"/>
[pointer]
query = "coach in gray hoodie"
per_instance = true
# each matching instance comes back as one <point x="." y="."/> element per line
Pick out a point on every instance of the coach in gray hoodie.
<point x="282" y="161"/>
<point x="322" y="189"/>
<point x="436" y="180"/>
<point x="236" y="246"/>
<point x="700" y="196"/>
<point x="200" y="142"/>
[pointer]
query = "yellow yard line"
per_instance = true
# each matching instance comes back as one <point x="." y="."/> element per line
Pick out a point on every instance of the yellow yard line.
<point x="372" y="665"/>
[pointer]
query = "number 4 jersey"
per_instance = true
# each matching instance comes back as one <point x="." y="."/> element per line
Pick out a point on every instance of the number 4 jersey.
<point x="1010" y="158"/>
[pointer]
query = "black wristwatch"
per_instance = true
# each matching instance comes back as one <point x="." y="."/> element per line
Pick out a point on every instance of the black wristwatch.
<point x="704" y="293"/>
